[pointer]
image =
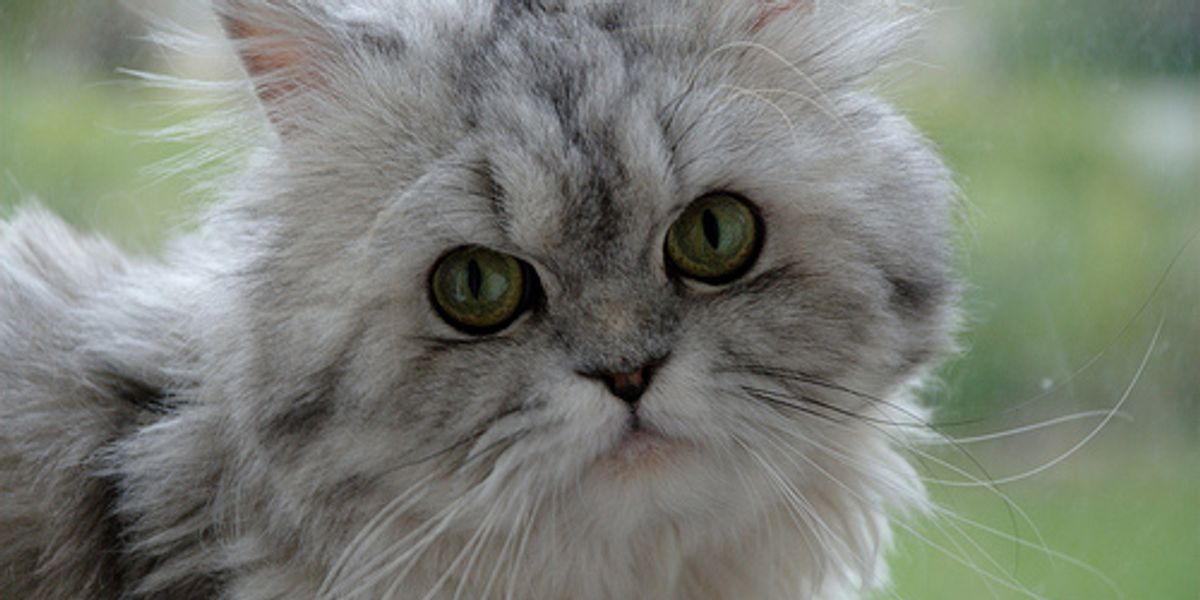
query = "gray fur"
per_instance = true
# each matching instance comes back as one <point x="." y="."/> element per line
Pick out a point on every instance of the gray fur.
<point x="225" y="423"/>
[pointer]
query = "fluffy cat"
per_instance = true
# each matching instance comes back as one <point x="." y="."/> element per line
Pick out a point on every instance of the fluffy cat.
<point x="538" y="299"/>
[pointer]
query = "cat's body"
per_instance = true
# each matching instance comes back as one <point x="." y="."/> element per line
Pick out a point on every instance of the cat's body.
<point x="278" y="412"/>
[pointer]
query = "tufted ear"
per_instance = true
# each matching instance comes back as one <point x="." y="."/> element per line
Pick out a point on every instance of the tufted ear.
<point x="773" y="9"/>
<point x="286" y="48"/>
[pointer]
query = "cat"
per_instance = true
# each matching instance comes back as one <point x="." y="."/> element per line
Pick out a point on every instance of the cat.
<point x="537" y="299"/>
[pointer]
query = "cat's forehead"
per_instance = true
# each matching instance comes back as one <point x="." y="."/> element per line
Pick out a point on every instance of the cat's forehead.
<point x="570" y="129"/>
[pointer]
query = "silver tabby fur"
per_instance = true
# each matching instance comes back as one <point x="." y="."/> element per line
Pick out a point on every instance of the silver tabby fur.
<point x="275" y="411"/>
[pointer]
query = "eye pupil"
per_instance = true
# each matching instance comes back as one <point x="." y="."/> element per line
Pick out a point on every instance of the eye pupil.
<point x="474" y="278"/>
<point x="715" y="240"/>
<point x="480" y="291"/>
<point x="712" y="229"/>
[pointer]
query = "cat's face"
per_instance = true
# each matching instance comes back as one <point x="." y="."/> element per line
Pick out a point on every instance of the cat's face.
<point x="573" y="139"/>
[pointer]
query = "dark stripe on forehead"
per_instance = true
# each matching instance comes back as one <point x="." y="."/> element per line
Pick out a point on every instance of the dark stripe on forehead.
<point x="562" y="87"/>
<point x="377" y="38"/>
<point x="390" y="45"/>
<point x="611" y="18"/>
<point x="599" y="210"/>
<point x="506" y="9"/>
<point x="562" y="65"/>
<point x="485" y="184"/>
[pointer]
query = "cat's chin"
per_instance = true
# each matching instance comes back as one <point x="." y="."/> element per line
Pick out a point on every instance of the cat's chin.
<point x="642" y="450"/>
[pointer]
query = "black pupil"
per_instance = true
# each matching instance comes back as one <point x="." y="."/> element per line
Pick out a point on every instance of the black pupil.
<point x="474" y="278"/>
<point x="712" y="229"/>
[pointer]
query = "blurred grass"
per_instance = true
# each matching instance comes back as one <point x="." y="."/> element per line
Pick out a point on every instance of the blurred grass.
<point x="1070" y="228"/>
<point x="1082" y="186"/>
<point x="85" y="150"/>
<point x="1135" y="524"/>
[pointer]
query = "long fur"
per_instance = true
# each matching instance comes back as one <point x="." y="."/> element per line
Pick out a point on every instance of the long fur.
<point x="275" y="411"/>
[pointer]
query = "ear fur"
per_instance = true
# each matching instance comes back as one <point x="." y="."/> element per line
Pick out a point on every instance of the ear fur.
<point x="285" y="48"/>
<point x="834" y="44"/>
<point x="772" y="9"/>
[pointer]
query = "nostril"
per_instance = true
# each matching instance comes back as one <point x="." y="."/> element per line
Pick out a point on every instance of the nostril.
<point x="629" y="386"/>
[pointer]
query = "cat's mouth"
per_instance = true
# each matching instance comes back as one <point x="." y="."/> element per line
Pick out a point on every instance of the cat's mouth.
<point x="641" y="445"/>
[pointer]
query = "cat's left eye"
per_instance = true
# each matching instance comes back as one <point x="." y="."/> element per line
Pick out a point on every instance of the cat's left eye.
<point x="715" y="240"/>
<point x="481" y="291"/>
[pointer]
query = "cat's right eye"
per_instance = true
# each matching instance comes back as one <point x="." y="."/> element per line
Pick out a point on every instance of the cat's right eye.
<point x="480" y="291"/>
<point x="715" y="240"/>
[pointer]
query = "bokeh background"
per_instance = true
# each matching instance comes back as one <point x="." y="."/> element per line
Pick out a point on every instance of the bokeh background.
<point x="1074" y="127"/>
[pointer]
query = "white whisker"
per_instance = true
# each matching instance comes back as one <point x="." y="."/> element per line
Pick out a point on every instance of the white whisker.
<point x="502" y="555"/>
<point x="529" y="525"/>
<point x="462" y="555"/>
<point x="1092" y="570"/>
<point x="384" y="568"/>
<point x="969" y="564"/>
<point x="1116" y="409"/>
<point x="370" y="533"/>
<point x="988" y="437"/>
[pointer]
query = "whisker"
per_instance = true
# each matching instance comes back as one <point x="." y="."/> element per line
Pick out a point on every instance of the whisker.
<point x="785" y="400"/>
<point x="1081" y="416"/>
<point x="1013" y="509"/>
<point x="381" y="559"/>
<point x="968" y="563"/>
<point x="781" y="402"/>
<point x="776" y="399"/>
<point x="1014" y="586"/>
<point x="798" y="517"/>
<point x="880" y="425"/>
<point x="468" y="547"/>
<point x="490" y="528"/>
<point x="369" y="534"/>
<point x="1091" y="362"/>
<point x="1103" y="423"/>
<point x="805" y="505"/>
<point x="829" y="106"/>
<point x="409" y="558"/>
<point x="375" y="570"/>
<point x="757" y="95"/>
<point x="512" y="574"/>
<point x="1049" y="551"/>
<point x="779" y="373"/>
<point x="501" y="557"/>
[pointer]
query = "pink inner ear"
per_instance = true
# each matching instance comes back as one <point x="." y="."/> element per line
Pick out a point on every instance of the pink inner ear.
<point x="773" y="8"/>
<point x="277" y="63"/>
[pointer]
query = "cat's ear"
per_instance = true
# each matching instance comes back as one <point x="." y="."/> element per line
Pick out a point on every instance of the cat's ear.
<point x="828" y="43"/>
<point x="286" y="48"/>
<point x="770" y="10"/>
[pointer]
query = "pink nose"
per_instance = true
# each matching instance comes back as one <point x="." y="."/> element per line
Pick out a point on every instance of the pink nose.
<point x="630" y="386"/>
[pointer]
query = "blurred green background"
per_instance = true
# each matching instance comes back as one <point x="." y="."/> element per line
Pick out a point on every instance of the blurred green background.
<point x="1074" y="127"/>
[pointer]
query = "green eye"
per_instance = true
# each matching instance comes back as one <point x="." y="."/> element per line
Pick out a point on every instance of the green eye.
<point x="480" y="291"/>
<point x="716" y="239"/>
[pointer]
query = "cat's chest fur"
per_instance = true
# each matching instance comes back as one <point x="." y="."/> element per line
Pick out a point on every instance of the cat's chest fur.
<point x="512" y="299"/>
<point x="656" y="564"/>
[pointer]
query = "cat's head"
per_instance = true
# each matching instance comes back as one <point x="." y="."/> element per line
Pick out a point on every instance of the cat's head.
<point x="651" y="263"/>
